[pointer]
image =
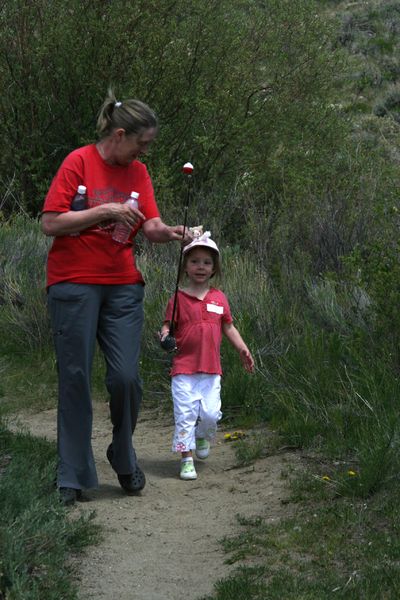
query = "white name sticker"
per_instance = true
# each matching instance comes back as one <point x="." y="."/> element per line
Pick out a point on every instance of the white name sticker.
<point x="219" y="310"/>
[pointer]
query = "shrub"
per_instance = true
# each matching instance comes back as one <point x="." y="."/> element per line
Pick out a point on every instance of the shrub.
<point x="389" y="105"/>
<point x="23" y="317"/>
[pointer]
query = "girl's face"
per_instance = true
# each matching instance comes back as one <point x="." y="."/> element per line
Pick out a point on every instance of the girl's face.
<point x="199" y="265"/>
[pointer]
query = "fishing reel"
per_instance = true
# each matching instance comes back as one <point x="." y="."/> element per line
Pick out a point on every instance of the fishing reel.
<point x="169" y="344"/>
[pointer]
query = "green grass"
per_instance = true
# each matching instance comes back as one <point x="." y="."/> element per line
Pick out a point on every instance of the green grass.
<point x="37" y="537"/>
<point x="322" y="381"/>
<point x="328" y="397"/>
<point x="326" y="376"/>
<point x="256" y="444"/>
<point x="331" y="547"/>
<point x="29" y="380"/>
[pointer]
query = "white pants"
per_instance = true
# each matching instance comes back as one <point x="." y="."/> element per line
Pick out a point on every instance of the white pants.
<point x="197" y="404"/>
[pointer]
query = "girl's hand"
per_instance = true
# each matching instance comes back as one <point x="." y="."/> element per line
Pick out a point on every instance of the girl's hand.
<point x="167" y="341"/>
<point x="247" y="360"/>
<point x="162" y="335"/>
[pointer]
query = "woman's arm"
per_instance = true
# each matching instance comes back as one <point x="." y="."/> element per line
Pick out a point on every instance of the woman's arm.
<point x="64" y="223"/>
<point x="157" y="231"/>
<point x="234" y="337"/>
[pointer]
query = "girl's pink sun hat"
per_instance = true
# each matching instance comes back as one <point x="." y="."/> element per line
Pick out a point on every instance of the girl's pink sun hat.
<point x="203" y="240"/>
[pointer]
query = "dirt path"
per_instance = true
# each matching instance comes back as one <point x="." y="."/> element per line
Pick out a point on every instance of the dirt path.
<point x="163" y="544"/>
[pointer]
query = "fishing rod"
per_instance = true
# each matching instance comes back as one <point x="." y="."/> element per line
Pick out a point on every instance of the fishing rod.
<point x="169" y="342"/>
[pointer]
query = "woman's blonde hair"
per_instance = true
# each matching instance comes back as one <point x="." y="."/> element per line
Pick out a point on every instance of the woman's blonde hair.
<point x="133" y="116"/>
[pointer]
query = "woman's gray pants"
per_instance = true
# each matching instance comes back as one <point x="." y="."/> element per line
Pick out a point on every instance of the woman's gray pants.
<point x="80" y="314"/>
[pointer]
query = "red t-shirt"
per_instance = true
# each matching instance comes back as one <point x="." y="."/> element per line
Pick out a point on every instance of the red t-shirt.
<point x="93" y="257"/>
<point x="198" y="332"/>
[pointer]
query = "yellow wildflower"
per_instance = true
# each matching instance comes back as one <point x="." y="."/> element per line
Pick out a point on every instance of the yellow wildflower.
<point x="235" y="435"/>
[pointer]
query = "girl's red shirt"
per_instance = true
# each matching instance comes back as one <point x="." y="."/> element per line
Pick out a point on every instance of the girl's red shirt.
<point x="198" y="332"/>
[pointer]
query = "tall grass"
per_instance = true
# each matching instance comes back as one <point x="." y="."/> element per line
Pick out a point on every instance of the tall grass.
<point x="23" y="251"/>
<point x="334" y="387"/>
<point x="321" y="377"/>
<point x="37" y="536"/>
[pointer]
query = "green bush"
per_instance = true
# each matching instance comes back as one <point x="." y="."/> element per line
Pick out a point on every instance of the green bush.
<point x="23" y="317"/>
<point x="390" y="104"/>
<point x="333" y="387"/>
<point x="231" y="83"/>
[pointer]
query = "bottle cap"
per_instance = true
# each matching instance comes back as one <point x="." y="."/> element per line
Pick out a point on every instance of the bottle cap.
<point x="81" y="189"/>
<point x="135" y="195"/>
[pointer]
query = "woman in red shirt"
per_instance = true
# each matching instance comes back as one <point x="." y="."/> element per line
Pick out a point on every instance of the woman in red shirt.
<point x="95" y="290"/>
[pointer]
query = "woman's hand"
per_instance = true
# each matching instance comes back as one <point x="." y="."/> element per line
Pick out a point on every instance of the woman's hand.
<point x="157" y="231"/>
<point x="125" y="214"/>
<point x="177" y="233"/>
<point x="65" y="223"/>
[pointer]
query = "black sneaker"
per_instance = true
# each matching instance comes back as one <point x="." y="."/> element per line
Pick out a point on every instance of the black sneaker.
<point x="68" y="496"/>
<point x="132" y="482"/>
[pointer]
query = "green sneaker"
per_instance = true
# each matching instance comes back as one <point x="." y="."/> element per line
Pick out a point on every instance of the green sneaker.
<point x="202" y="448"/>
<point x="187" y="469"/>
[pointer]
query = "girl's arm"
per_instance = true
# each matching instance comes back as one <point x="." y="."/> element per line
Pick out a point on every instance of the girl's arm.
<point x="237" y="342"/>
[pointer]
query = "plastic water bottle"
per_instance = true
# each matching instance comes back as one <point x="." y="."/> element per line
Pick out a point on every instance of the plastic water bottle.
<point x="122" y="231"/>
<point x="79" y="202"/>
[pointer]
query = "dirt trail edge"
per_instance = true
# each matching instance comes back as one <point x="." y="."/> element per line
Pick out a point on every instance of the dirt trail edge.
<point x="164" y="544"/>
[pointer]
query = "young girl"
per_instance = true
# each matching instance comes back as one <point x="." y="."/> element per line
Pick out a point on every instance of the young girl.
<point x="202" y="315"/>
